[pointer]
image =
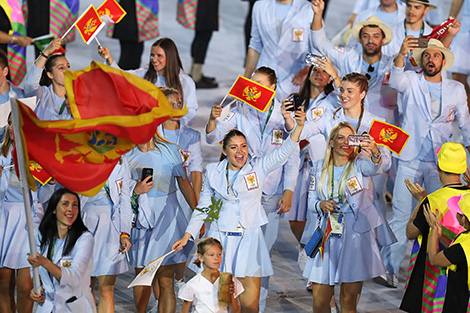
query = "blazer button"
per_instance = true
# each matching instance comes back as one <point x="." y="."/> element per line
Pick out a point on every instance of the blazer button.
<point x="113" y="218"/>
<point x="238" y="213"/>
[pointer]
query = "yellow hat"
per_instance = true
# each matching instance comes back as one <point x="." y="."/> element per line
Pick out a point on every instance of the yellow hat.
<point x="372" y="21"/>
<point x="452" y="158"/>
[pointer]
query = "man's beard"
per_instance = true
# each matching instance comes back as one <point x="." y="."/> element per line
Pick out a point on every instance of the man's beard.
<point x="374" y="52"/>
<point x="432" y="72"/>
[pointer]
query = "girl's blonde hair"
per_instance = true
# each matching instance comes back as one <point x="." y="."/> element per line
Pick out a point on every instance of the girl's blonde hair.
<point x="327" y="169"/>
<point x="203" y="245"/>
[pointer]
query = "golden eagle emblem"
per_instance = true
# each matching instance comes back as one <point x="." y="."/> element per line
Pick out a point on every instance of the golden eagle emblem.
<point x="317" y="112"/>
<point x="298" y="33"/>
<point x="90" y="26"/>
<point x="251" y="94"/>
<point x="352" y="184"/>
<point x="278" y="134"/>
<point x="35" y="167"/>
<point x="66" y="264"/>
<point x="90" y="147"/>
<point x="388" y="135"/>
<point x="251" y="179"/>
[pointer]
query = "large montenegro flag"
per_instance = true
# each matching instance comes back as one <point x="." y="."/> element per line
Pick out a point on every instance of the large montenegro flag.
<point x="81" y="153"/>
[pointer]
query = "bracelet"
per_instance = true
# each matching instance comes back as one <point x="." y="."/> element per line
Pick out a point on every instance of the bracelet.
<point x="376" y="157"/>
<point x="43" y="55"/>
<point x="126" y="235"/>
<point x="14" y="39"/>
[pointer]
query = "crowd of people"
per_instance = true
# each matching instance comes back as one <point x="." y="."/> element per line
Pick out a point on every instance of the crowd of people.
<point x="296" y="160"/>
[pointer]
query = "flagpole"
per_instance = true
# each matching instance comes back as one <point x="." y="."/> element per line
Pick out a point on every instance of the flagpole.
<point x="24" y="186"/>
<point x="98" y="42"/>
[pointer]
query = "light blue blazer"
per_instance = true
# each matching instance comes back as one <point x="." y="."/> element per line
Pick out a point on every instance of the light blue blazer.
<point x="366" y="216"/>
<point x="245" y="118"/>
<point x="119" y="183"/>
<point x="244" y="206"/>
<point x="414" y="106"/>
<point x="282" y="53"/>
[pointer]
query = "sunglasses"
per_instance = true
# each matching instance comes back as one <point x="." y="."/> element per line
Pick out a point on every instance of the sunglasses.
<point x="370" y="69"/>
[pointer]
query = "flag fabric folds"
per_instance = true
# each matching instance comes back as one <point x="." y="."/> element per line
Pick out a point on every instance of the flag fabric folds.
<point x="39" y="173"/>
<point x="252" y="93"/>
<point x="89" y="24"/>
<point x="389" y="135"/>
<point x="112" y="9"/>
<point x="145" y="277"/>
<point x="81" y="153"/>
<point x="326" y="235"/>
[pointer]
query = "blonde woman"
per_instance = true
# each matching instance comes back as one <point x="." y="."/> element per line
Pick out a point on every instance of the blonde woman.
<point x="339" y="191"/>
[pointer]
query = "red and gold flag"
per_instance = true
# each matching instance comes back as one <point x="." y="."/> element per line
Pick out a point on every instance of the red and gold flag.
<point x="39" y="173"/>
<point x="389" y="135"/>
<point x="252" y="93"/>
<point x="112" y="9"/>
<point x="326" y="235"/>
<point x="89" y="24"/>
<point x="119" y="98"/>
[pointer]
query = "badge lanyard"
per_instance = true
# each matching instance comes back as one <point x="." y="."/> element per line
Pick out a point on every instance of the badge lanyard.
<point x="271" y="108"/>
<point x="340" y="197"/>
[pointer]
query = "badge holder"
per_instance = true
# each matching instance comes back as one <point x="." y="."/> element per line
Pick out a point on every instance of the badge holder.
<point x="337" y="223"/>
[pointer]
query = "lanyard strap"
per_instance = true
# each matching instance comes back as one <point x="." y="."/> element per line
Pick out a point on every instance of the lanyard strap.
<point x="340" y="197"/>
<point x="271" y="108"/>
<point x="421" y="31"/>
<point x="226" y="176"/>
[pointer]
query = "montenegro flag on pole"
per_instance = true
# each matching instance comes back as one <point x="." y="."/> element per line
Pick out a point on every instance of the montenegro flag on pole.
<point x="113" y="10"/>
<point x="89" y="24"/>
<point x="252" y="93"/>
<point x="81" y="153"/>
<point x="389" y="135"/>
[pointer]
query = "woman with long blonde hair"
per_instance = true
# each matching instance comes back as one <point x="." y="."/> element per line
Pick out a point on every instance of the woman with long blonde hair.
<point x="339" y="195"/>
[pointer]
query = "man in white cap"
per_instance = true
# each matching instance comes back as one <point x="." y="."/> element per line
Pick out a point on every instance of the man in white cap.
<point x="451" y="163"/>
<point x="427" y="105"/>
<point x="461" y="44"/>
<point x="414" y="25"/>
<point x="381" y="100"/>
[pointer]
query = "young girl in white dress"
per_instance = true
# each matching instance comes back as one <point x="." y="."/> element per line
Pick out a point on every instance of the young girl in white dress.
<point x="203" y="289"/>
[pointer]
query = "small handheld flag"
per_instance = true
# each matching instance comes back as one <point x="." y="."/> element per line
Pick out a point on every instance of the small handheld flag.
<point x="42" y="42"/>
<point x="389" y="135"/>
<point x="252" y="93"/>
<point x="89" y="24"/>
<point x="145" y="277"/>
<point x="113" y="10"/>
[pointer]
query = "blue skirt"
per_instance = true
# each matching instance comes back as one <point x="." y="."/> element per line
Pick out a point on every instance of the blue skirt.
<point x="352" y="257"/>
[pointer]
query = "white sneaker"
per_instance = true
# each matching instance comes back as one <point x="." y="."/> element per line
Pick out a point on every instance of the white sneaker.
<point x="388" y="280"/>
<point x="309" y="286"/>
<point x="302" y="259"/>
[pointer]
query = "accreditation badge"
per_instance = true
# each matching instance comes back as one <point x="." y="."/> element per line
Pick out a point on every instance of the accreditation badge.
<point x="66" y="262"/>
<point x="451" y="116"/>
<point x="119" y="186"/>
<point x="353" y="186"/>
<point x="229" y="116"/>
<point x="337" y="222"/>
<point x="277" y="137"/>
<point x="251" y="181"/>
<point x="185" y="155"/>
<point x="312" y="183"/>
<point x="298" y="34"/>
<point x="317" y="113"/>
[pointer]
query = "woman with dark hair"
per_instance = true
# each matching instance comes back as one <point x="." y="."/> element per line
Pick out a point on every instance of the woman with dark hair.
<point x="46" y="81"/>
<point x="14" y="244"/>
<point x="165" y="70"/>
<point x="340" y="195"/>
<point x="239" y="182"/>
<point x="316" y="96"/>
<point x="265" y="132"/>
<point x="64" y="259"/>
<point x="160" y="219"/>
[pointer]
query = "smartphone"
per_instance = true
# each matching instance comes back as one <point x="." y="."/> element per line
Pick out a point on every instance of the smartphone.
<point x="310" y="58"/>
<point x="422" y="42"/>
<point x="356" y="140"/>
<point x="147" y="172"/>
<point x="295" y="99"/>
